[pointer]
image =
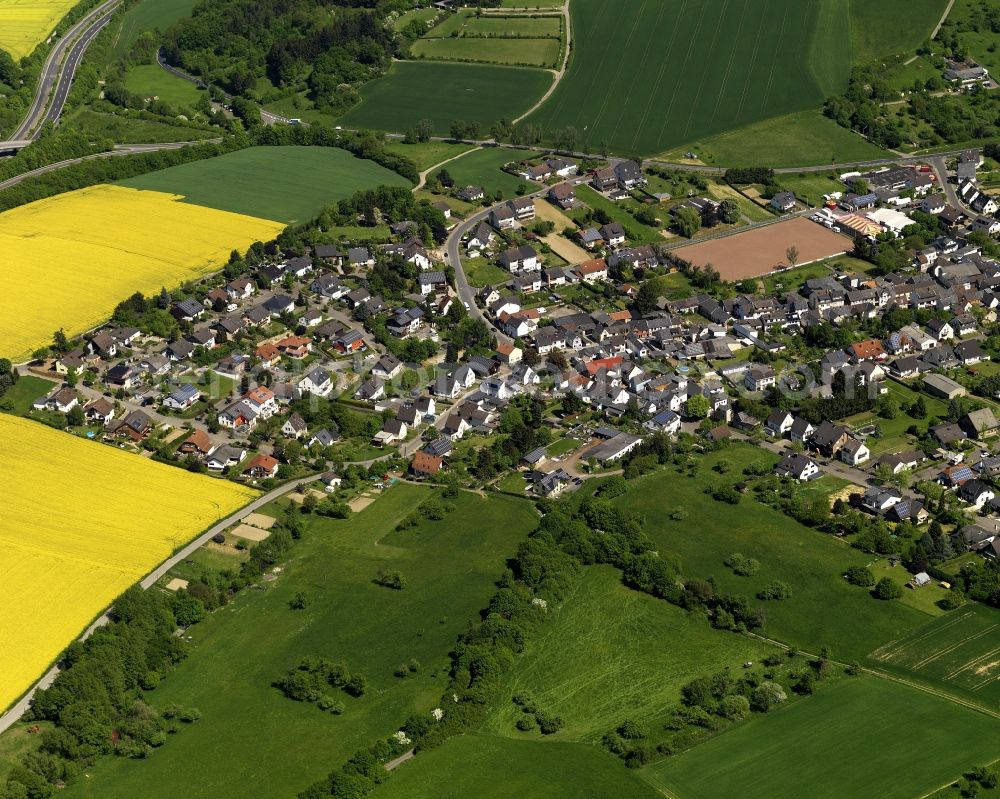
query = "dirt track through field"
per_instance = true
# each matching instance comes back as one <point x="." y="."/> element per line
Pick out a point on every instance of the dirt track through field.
<point x="763" y="250"/>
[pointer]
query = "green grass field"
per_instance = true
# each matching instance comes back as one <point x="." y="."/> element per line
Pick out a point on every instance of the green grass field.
<point x="499" y="768"/>
<point x="150" y="80"/>
<point x="522" y="51"/>
<point x="425" y="15"/>
<point x="609" y="654"/>
<point x="864" y="737"/>
<point x="253" y="741"/>
<point x="959" y="651"/>
<point x="467" y="23"/>
<point x="148" y="15"/>
<point x="427" y="154"/>
<point x="288" y="184"/>
<point x="824" y="609"/>
<point x="22" y="394"/>
<point x="804" y="138"/>
<point x="483" y="272"/>
<point x="483" y="168"/>
<point x="412" y="91"/>
<point x="891" y="26"/>
<point x="894" y="436"/>
<point x="619" y="211"/>
<point x="646" y="77"/>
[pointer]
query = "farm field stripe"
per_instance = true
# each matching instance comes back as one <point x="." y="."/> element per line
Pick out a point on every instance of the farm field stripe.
<point x="648" y="52"/>
<point x="774" y="61"/>
<point x="890" y="649"/>
<point x="729" y="64"/>
<point x="653" y="96"/>
<point x="972" y="664"/>
<point x="621" y="61"/>
<point x="753" y="60"/>
<point x="683" y="67"/>
<point x="952" y="647"/>
<point x="704" y="73"/>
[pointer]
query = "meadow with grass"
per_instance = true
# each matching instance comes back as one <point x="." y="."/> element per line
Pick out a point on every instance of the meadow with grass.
<point x="803" y="138"/>
<point x="151" y="80"/>
<point x="253" y="740"/>
<point x="488" y="767"/>
<point x="495" y="38"/>
<point x="290" y="184"/>
<point x="148" y="15"/>
<point x="825" y="610"/>
<point x="610" y="653"/>
<point x="484" y="168"/>
<point x="891" y="27"/>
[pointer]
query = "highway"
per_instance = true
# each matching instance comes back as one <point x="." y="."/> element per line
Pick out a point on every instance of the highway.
<point x="60" y="67"/>
<point x="120" y="149"/>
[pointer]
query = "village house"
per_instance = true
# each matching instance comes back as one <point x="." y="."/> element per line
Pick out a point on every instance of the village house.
<point x="262" y="467"/>
<point x="797" y="466"/>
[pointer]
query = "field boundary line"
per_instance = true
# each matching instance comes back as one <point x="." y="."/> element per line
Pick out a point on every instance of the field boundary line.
<point x="556" y="112"/>
<point x="557" y="74"/>
<point x="950" y="783"/>
<point x="15" y="711"/>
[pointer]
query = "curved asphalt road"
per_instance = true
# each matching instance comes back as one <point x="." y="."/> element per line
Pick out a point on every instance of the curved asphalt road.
<point x="57" y="73"/>
<point x="453" y="247"/>
<point x="266" y="117"/>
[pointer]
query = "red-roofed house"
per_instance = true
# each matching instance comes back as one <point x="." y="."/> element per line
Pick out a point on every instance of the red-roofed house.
<point x="593" y="270"/>
<point x="295" y="346"/>
<point x="268" y="353"/>
<point x="263" y="466"/>
<point x="425" y="465"/>
<point x="598" y="364"/>
<point x="870" y="349"/>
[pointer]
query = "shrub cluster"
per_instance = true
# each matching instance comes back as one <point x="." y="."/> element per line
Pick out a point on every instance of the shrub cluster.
<point x="313" y="677"/>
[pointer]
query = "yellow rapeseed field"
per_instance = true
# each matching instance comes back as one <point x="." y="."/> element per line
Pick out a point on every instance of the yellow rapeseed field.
<point x="68" y="260"/>
<point x="79" y="523"/>
<point x="26" y="23"/>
